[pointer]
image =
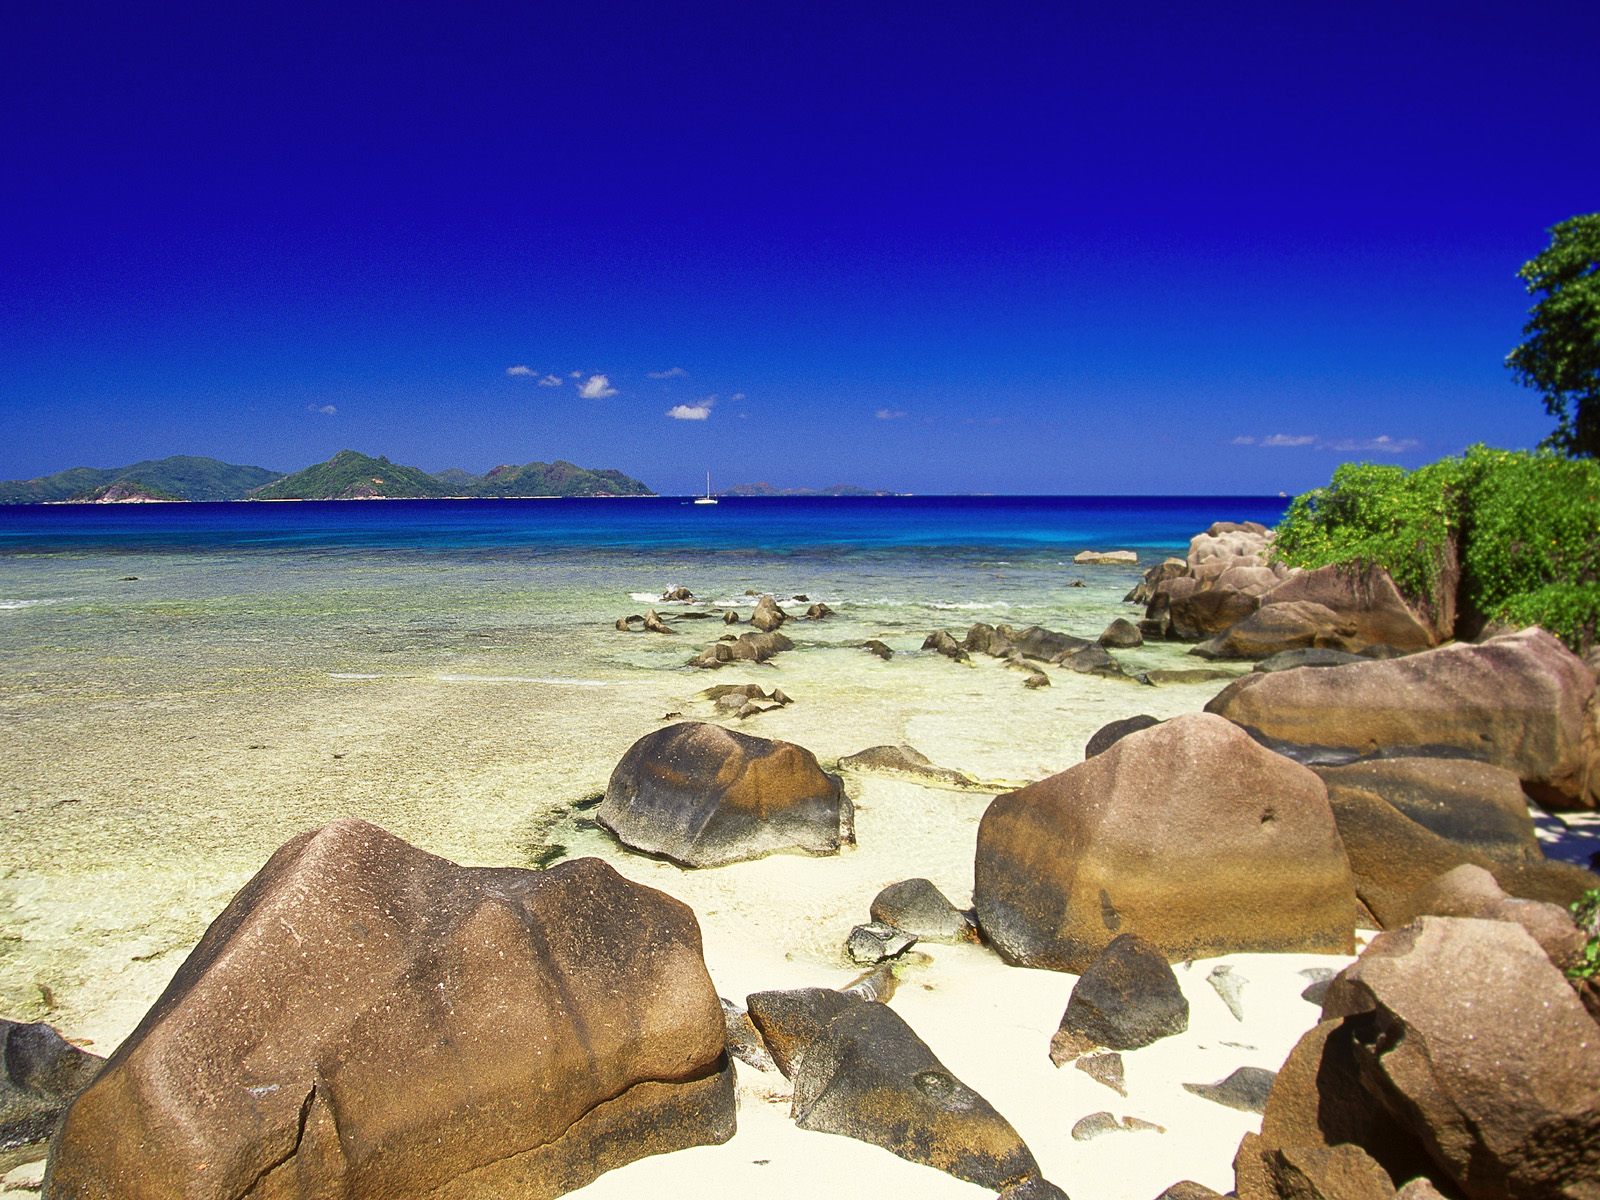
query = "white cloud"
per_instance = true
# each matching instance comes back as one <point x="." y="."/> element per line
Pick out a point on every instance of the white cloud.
<point x="1382" y="444"/>
<point x="700" y="410"/>
<point x="326" y="410"/>
<point x="519" y="369"/>
<point x="889" y="414"/>
<point x="597" y="387"/>
<point x="574" y="374"/>
<point x="736" y="397"/>
<point x="669" y="373"/>
<point x="549" y="381"/>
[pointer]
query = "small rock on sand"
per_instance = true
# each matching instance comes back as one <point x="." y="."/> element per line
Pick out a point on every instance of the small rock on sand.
<point x="1245" y="1089"/>
<point x="1230" y="987"/>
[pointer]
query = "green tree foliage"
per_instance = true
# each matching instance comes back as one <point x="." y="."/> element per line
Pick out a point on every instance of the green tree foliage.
<point x="1526" y="528"/>
<point x="1561" y="356"/>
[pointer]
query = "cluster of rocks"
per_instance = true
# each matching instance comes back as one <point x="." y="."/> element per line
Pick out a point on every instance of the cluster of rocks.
<point x="1033" y="648"/>
<point x="1452" y="1058"/>
<point x="742" y="701"/>
<point x="759" y="646"/>
<point x="1234" y="597"/>
<point x="365" y="1019"/>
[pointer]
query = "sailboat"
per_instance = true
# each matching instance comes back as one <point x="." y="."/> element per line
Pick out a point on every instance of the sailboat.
<point x="708" y="498"/>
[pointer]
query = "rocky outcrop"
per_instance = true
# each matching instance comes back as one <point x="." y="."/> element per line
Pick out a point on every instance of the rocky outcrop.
<point x="704" y="796"/>
<point x="789" y="1021"/>
<point x="1106" y="558"/>
<point x="1147" y="587"/>
<point x="1230" y="541"/>
<point x="1391" y="856"/>
<point x="1188" y="834"/>
<point x="745" y="700"/>
<point x="367" y="1020"/>
<point x="878" y="649"/>
<point x="942" y="643"/>
<point x="868" y="1076"/>
<point x="1452" y="1050"/>
<point x="1227" y="571"/>
<point x="1473" y="804"/>
<point x="40" y="1074"/>
<point x="1516" y="701"/>
<point x="1128" y="997"/>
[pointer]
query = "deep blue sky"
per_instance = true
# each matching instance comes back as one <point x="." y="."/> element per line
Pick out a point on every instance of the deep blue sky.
<point x="929" y="247"/>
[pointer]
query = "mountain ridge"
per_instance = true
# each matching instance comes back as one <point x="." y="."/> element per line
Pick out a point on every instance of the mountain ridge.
<point x="348" y="475"/>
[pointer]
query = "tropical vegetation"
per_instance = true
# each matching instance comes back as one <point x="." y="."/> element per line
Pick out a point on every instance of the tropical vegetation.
<point x="1524" y="529"/>
<point x="1561" y="356"/>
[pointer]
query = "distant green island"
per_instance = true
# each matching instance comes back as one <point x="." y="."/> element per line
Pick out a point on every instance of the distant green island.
<point x="348" y="475"/>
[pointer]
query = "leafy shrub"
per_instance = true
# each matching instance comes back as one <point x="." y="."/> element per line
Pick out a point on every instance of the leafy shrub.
<point x="1586" y="913"/>
<point x="1397" y="519"/>
<point x="1528" y="528"/>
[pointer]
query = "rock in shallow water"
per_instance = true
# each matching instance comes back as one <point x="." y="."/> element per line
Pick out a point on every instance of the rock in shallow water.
<point x="365" y="1019"/>
<point x="704" y="796"/>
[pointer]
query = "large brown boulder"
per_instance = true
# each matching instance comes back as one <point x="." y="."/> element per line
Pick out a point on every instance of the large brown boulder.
<point x="367" y="1020"/>
<point x="703" y="796"/>
<point x="1187" y="833"/>
<point x="1470" y="1041"/>
<point x="1197" y="608"/>
<point x="1365" y="598"/>
<point x="1516" y="701"/>
<point x="1316" y="1104"/>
